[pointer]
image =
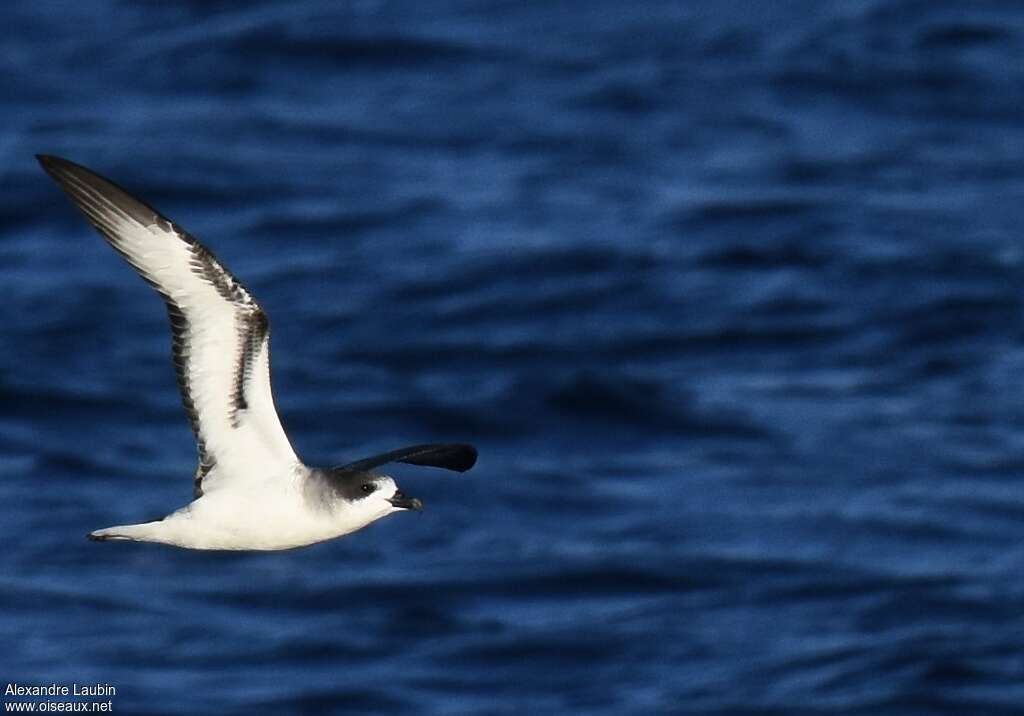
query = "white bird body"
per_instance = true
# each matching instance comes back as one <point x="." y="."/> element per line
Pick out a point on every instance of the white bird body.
<point x="251" y="490"/>
<point x="272" y="515"/>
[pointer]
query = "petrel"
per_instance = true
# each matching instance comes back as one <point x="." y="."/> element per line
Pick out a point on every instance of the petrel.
<point x="251" y="492"/>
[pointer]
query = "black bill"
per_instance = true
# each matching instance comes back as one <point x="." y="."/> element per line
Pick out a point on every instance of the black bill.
<point x="404" y="502"/>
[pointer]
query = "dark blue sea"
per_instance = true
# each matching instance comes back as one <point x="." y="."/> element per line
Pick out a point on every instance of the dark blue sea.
<point x="729" y="295"/>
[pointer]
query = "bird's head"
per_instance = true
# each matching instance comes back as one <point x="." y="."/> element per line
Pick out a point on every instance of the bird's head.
<point x="361" y="497"/>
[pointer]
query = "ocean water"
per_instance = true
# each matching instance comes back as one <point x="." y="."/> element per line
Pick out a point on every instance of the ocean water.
<point x="728" y="295"/>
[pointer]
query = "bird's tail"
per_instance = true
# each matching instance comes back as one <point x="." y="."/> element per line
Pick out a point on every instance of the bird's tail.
<point x="144" y="532"/>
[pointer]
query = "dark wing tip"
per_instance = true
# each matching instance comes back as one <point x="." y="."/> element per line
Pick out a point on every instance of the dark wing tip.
<point x="54" y="166"/>
<point x="58" y="166"/>
<point x="89" y="189"/>
<point x="60" y="169"/>
<point x="457" y="457"/>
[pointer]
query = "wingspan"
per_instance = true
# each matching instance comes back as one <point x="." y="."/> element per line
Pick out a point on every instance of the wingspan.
<point x="221" y="336"/>
<point x="450" y="457"/>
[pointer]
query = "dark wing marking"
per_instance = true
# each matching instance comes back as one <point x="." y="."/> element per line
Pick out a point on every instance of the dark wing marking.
<point x="450" y="457"/>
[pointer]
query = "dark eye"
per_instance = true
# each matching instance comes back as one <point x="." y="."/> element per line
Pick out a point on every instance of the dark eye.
<point x="368" y="487"/>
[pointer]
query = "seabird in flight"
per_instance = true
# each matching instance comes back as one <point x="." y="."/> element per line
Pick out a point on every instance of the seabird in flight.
<point x="251" y="492"/>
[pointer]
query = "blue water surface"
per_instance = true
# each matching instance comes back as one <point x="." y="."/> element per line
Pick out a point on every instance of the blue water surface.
<point x="727" y="294"/>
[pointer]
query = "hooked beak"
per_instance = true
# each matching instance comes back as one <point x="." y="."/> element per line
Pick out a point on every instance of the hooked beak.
<point x="404" y="502"/>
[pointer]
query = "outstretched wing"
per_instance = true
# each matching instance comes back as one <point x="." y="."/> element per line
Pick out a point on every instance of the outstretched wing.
<point x="221" y="337"/>
<point x="451" y="457"/>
